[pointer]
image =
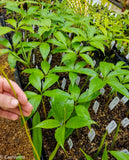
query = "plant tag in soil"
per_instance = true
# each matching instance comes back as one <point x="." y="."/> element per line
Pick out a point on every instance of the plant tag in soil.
<point x="125" y="151"/>
<point x="70" y="143"/>
<point x="124" y="99"/>
<point x="63" y="83"/>
<point x="96" y="106"/>
<point x="127" y="56"/>
<point x="111" y="126"/>
<point x="125" y="122"/>
<point x="94" y="61"/>
<point x="78" y="80"/>
<point x="113" y="103"/>
<point x="102" y="91"/>
<point x="50" y="59"/>
<point x="33" y="58"/>
<point x="91" y="135"/>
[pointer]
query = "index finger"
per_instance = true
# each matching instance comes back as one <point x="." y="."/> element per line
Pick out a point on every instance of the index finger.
<point x="20" y="94"/>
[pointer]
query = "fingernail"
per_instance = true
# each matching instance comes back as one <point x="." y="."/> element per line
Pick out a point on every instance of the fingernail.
<point x="14" y="102"/>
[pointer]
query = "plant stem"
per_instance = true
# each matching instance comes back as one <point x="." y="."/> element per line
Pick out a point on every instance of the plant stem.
<point x="87" y="79"/>
<point x="24" y="122"/>
<point x="101" y="145"/>
<point x="113" y="143"/>
<point x="109" y="100"/>
<point x="44" y="109"/>
<point x="54" y="152"/>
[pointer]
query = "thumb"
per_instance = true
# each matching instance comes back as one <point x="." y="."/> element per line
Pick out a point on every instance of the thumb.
<point x="7" y="101"/>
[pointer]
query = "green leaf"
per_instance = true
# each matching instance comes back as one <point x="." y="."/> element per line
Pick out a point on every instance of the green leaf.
<point x="86" y="97"/>
<point x="35" y="101"/>
<point x="32" y="10"/>
<point x="87" y="156"/>
<point x="119" y="155"/>
<point x="16" y="38"/>
<point x="60" y="136"/>
<point x="126" y="79"/>
<point x="114" y="83"/>
<point x="80" y="64"/>
<point x="105" y="154"/>
<point x="72" y="77"/>
<point x="41" y="30"/>
<point x="37" y="135"/>
<point x="56" y="42"/>
<point x="29" y="94"/>
<point x="97" y="45"/>
<point x="5" y="42"/>
<point x="79" y="122"/>
<point x="48" y="124"/>
<point x="105" y="68"/>
<point x="45" y="22"/>
<point x="82" y="111"/>
<point x="12" y="22"/>
<point x="60" y="69"/>
<point x="36" y="70"/>
<point x="44" y="49"/>
<point x="4" y="51"/>
<point x="12" y="61"/>
<point x="99" y="38"/>
<point x="118" y="72"/>
<point x="35" y="80"/>
<point x="62" y="108"/>
<point x="4" y="30"/>
<point x="88" y="59"/>
<point x="95" y="84"/>
<point x="56" y="93"/>
<point x="78" y="39"/>
<point x="69" y="57"/>
<point x="75" y="91"/>
<point x="60" y="37"/>
<point x="28" y="28"/>
<point x="49" y="81"/>
<point x="86" y="71"/>
<point x="86" y="49"/>
<point x="45" y="66"/>
<point x="30" y="44"/>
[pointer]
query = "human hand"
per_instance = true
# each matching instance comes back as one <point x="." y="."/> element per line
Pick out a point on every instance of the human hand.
<point x="9" y="104"/>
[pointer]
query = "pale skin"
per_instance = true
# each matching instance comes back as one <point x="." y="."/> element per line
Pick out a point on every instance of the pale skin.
<point x="9" y="104"/>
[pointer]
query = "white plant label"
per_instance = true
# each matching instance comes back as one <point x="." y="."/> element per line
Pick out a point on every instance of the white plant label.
<point x="36" y="67"/>
<point x="33" y="58"/>
<point x="127" y="56"/>
<point x="125" y="151"/>
<point x="78" y="80"/>
<point x="63" y="83"/>
<point x="124" y="99"/>
<point x="111" y="126"/>
<point x="70" y="143"/>
<point x="91" y="135"/>
<point x="112" y="44"/>
<point x="23" y="35"/>
<point x="94" y="62"/>
<point x="33" y="26"/>
<point x="113" y="103"/>
<point x="125" y="122"/>
<point x="96" y="106"/>
<point x="50" y="59"/>
<point x="102" y="91"/>
<point x="91" y="78"/>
